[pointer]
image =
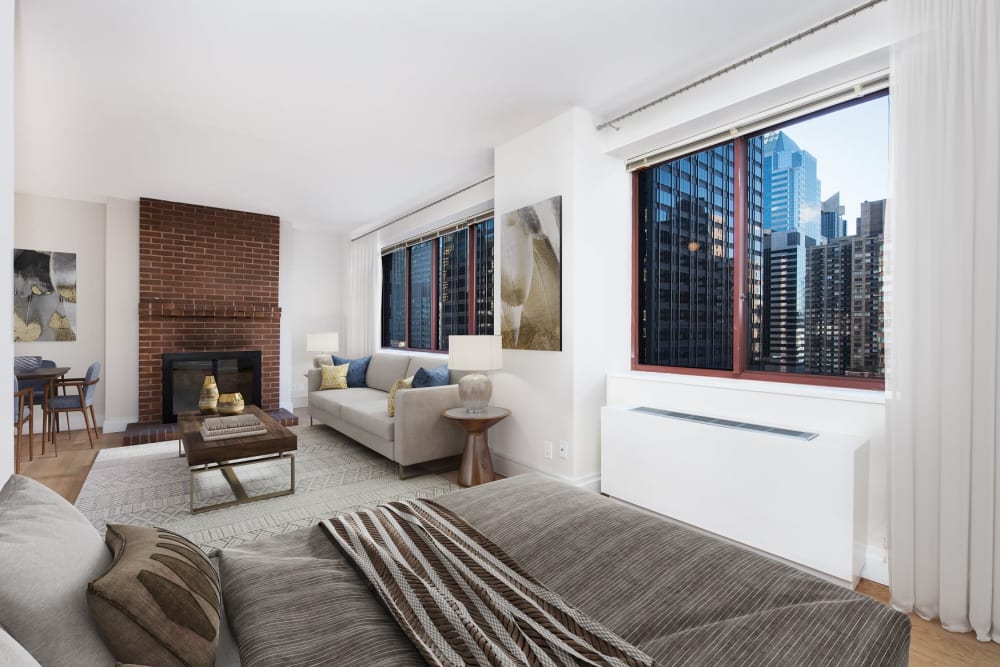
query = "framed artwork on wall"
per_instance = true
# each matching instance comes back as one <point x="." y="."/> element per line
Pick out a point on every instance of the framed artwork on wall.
<point x="531" y="276"/>
<point x="44" y="295"/>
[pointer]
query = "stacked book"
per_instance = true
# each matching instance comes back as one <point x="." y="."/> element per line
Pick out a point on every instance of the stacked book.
<point x="236" y="426"/>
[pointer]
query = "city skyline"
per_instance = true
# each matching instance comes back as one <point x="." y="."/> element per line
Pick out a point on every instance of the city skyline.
<point x="851" y="148"/>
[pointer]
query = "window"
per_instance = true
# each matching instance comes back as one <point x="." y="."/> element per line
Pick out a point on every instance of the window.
<point x="439" y="285"/>
<point x="746" y="262"/>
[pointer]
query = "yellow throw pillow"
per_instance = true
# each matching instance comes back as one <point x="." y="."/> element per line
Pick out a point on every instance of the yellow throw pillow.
<point x="405" y="383"/>
<point x="334" y="377"/>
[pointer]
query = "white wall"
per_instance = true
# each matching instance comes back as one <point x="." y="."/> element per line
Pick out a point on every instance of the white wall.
<point x="121" y="345"/>
<point x="601" y="247"/>
<point x="64" y="225"/>
<point x="839" y="53"/>
<point x="536" y="386"/>
<point x="311" y="301"/>
<point x="463" y="205"/>
<point x="7" y="223"/>
<point x="558" y="395"/>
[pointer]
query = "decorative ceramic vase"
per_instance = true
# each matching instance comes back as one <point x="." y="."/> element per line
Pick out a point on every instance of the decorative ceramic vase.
<point x="209" y="397"/>
<point x="230" y="404"/>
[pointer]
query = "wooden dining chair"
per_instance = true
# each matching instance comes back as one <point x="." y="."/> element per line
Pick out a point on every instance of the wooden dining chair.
<point x="40" y="389"/>
<point x="81" y="401"/>
<point x="24" y="407"/>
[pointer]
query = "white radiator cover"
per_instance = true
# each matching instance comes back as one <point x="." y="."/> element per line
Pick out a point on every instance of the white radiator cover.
<point x="804" y="501"/>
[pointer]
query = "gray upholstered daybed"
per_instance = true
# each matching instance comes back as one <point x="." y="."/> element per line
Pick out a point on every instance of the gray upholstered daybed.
<point x="679" y="597"/>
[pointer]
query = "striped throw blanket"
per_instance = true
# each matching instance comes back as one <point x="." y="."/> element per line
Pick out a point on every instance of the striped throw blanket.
<point x="461" y="599"/>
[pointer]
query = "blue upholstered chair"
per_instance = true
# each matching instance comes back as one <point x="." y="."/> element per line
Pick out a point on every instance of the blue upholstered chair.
<point x="80" y="401"/>
<point x="38" y="386"/>
<point x="26" y="362"/>
<point x="23" y="414"/>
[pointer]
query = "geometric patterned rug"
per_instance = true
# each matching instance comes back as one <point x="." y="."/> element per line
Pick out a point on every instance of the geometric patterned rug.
<point x="148" y="485"/>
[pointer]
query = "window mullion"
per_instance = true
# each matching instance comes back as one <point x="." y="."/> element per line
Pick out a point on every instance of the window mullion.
<point x="740" y="254"/>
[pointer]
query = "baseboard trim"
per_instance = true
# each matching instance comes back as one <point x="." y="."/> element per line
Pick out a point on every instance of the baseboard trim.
<point x="876" y="567"/>
<point x="117" y="424"/>
<point x="509" y="466"/>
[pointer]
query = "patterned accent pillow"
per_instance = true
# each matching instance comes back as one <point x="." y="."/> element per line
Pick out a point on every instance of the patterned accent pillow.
<point x="333" y="377"/>
<point x="405" y="383"/>
<point x="358" y="372"/>
<point x="159" y="603"/>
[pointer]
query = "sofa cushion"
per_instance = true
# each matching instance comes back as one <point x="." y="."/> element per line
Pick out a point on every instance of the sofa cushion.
<point x="432" y="377"/>
<point x="371" y="416"/>
<point x="159" y="603"/>
<point x="385" y="369"/>
<point x="333" y="377"/>
<point x="357" y="371"/>
<point x="331" y="401"/>
<point x="48" y="554"/>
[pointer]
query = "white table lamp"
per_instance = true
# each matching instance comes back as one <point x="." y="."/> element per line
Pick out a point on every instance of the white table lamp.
<point x="324" y="343"/>
<point x="478" y="354"/>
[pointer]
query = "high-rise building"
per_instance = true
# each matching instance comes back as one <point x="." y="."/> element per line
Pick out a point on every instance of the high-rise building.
<point x="784" y="301"/>
<point x="833" y="222"/>
<point x="872" y="220"/>
<point x="394" y="294"/>
<point x="453" y="286"/>
<point x="484" y="277"/>
<point x="686" y="252"/>
<point x="791" y="189"/>
<point x="844" y="308"/>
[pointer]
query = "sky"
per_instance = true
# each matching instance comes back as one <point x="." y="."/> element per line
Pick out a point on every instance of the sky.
<point x="851" y="147"/>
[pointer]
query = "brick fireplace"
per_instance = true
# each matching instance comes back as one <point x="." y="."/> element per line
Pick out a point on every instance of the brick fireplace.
<point x="208" y="281"/>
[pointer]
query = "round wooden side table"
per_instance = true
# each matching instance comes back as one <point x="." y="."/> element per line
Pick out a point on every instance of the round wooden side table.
<point x="477" y="467"/>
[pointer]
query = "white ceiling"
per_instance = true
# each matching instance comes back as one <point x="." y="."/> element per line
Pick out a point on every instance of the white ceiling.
<point x="336" y="114"/>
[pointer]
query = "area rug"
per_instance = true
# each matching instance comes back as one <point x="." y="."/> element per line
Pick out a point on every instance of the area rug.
<point x="148" y="485"/>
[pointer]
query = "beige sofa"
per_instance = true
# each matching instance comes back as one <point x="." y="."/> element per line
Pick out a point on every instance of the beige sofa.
<point x="417" y="434"/>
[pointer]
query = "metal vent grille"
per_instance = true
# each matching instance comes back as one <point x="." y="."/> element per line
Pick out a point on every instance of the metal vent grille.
<point x="728" y="423"/>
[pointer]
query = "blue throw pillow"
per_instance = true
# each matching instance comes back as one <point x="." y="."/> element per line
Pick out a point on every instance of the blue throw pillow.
<point x="436" y="377"/>
<point x="357" y="372"/>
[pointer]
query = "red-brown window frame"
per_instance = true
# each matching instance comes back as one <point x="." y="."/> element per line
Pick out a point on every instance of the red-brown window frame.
<point x="470" y="288"/>
<point x="740" y="291"/>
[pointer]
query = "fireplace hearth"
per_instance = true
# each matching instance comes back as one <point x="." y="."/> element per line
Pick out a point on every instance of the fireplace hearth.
<point x="184" y="373"/>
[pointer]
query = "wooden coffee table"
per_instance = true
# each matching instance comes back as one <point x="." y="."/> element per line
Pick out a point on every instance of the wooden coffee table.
<point x="226" y="455"/>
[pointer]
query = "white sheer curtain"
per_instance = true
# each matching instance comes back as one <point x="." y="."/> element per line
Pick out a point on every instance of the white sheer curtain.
<point x="942" y="338"/>
<point x="361" y="311"/>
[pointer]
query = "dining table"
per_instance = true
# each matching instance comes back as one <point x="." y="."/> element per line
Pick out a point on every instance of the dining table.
<point x="51" y="375"/>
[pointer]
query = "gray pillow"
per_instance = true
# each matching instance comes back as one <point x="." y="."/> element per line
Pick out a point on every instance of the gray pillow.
<point x="48" y="554"/>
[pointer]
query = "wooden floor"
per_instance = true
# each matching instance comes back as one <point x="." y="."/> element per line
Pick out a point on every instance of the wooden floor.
<point x="930" y="643"/>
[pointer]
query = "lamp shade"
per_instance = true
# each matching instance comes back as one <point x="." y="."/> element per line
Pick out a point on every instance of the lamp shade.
<point x="475" y="353"/>
<point x="328" y="341"/>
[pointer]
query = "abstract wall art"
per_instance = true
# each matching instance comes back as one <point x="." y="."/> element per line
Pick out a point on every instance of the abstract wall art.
<point x="531" y="277"/>
<point x="44" y="296"/>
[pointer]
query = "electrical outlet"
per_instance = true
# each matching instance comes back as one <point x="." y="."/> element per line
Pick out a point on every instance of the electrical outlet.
<point x="548" y="449"/>
<point x="563" y="449"/>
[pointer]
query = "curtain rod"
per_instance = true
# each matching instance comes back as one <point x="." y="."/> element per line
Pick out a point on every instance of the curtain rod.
<point x="422" y="208"/>
<point x="740" y="63"/>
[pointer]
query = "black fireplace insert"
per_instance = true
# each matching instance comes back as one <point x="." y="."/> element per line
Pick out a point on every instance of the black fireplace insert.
<point x="184" y="373"/>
